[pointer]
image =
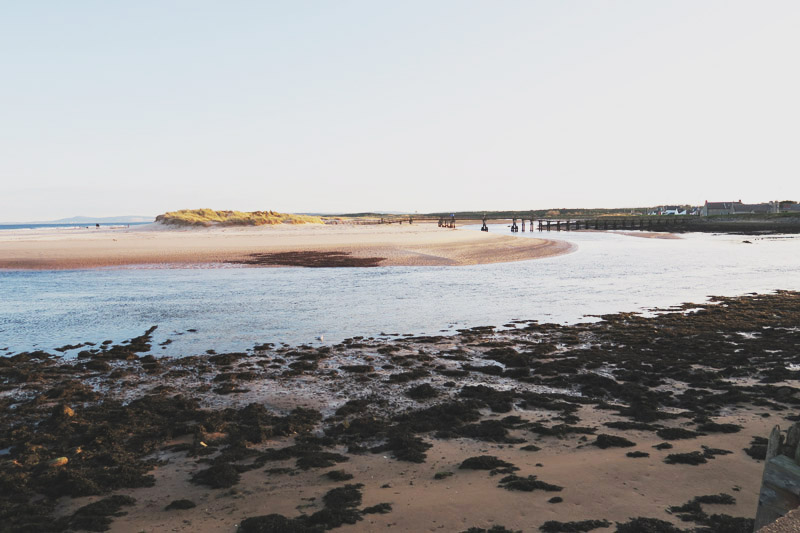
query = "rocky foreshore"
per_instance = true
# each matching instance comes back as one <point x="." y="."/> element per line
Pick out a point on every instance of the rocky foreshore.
<point x="631" y="423"/>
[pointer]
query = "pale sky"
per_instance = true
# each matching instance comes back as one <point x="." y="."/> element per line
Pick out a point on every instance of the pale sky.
<point x="139" y="107"/>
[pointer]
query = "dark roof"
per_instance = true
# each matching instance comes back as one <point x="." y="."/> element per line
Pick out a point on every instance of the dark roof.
<point x="756" y="208"/>
<point x="722" y="205"/>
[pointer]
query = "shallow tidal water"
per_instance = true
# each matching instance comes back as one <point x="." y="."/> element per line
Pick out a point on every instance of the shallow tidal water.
<point x="232" y="309"/>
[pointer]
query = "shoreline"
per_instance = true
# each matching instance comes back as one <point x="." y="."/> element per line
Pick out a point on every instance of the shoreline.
<point x="295" y="245"/>
<point x="257" y="434"/>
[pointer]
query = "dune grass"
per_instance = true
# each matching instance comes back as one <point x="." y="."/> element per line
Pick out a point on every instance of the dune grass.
<point x="210" y="217"/>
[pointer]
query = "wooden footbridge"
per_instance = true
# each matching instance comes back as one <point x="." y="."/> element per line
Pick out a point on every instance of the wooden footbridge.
<point x="636" y="223"/>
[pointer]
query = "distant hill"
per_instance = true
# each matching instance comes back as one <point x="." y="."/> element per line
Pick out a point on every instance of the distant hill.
<point x="98" y="220"/>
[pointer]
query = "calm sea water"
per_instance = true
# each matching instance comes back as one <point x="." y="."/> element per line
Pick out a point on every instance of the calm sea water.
<point x="235" y="308"/>
<point x="69" y="226"/>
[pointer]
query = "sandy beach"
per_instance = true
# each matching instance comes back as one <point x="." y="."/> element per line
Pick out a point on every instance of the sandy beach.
<point x="533" y="427"/>
<point x="155" y="244"/>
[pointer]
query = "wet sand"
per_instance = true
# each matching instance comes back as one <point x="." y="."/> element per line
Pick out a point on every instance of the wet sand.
<point x="250" y="439"/>
<point x="309" y="245"/>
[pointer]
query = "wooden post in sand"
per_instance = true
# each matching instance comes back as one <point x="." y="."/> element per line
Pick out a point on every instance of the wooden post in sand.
<point x="780" y="484"/>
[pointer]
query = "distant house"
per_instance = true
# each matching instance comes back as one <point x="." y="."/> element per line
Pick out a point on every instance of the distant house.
<point x="668" y="210"/>
<point x="673" y="210"/>
<point x="790" y="208"/>
<point x="737" y="208"/>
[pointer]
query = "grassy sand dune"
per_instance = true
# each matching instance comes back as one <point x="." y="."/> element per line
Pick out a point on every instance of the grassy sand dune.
<point x="210" y="217"/>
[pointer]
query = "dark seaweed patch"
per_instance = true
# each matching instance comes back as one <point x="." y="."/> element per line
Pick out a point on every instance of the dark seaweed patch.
<point x="339" y="475"/>
<point x="493" y="529"/>
<point x="340" y="504"/>
<point x="527" y="484"/>
<point x="612" y="441"/>
<point x="485" y="430"/>
<point x="422" y="392"/>
<point x="677" y="434"/>
<point x="559" y="430"/>
<point x="97" y="516"/>
<point x="405" y="447"/>
<point x="381" y="508"/>
<point x="637" y="454"/>
<point x="691" y="458"/>
<point x="180" y="504"/>
<point x="220" y="476"/>
<point x="758" y="448"/>
<point x="484" y="462"/>
<point x="275" y="523"/>
<point x="553" y="526"/>
<point x="647" y="525"/>
<point x="713" y="427"/>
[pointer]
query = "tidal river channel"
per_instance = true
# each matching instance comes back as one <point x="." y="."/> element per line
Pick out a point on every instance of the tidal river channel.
<point x="232" y="309"/>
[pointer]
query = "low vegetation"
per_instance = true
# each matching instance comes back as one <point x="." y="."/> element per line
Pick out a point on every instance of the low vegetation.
<point x="210" y="217"/>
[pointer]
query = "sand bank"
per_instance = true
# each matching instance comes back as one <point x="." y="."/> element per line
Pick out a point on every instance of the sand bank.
<point x="387" y="245"/>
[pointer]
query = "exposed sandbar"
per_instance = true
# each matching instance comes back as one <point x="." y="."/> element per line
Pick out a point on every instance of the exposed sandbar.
<point x="155" y="244"/>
